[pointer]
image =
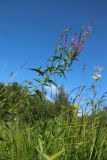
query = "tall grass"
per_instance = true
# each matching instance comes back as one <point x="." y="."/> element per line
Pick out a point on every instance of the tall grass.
<point x="75" y="138"/>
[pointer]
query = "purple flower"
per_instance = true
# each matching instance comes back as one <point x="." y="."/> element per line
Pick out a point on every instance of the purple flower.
<point x="79" y="47"/>
<point x="89" y="30"/>
<point x="66" y="40"/>
<point x="74" y="39"/>
<point x="86" y="33"/>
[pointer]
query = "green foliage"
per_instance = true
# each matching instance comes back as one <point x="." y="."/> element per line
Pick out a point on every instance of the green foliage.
<point x="84" y="138"/>
<point x="17" y="100"/>
<point x="43" y="130"/>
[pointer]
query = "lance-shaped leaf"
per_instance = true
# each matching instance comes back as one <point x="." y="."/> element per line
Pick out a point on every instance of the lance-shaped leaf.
<point x="51" y="60"/>
<point x="51" y="81"/>
<point x="37" y="70"/>
<point x="62" y="72"/>
<point x="56" y="58"/>
<point x="57" y="49"/>
<point x="44" y="84"/>
<point x="50" y="69"/>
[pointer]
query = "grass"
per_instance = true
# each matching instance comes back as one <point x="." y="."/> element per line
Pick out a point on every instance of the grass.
<point x="58" y="138"/>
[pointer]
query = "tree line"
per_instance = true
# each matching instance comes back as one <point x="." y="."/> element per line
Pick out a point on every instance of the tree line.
<point x="14" y="102"/>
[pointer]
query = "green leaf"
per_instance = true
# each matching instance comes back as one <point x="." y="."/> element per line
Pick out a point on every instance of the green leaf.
<point x="57" y="49"/>
<point x="37" y="70"/>
<point x="56" y="57"/>
<point x="51" y="81"/>
<point x="46" y="85"/>
<point x="55" y="156"/>
<point x="50" y="69"/>
<point x="62" y="72"/>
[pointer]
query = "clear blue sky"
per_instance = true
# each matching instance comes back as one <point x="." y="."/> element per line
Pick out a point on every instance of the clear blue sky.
<point x="30" y="30"/>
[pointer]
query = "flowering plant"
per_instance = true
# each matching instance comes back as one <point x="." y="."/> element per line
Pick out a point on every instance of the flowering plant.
<point x="62" y="59"/>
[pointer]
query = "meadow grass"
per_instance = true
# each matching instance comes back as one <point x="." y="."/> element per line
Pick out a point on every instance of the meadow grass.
<point x="76" y="138"/>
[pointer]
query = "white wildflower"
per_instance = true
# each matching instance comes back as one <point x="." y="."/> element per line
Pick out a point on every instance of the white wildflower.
<point x="96" y="76"/>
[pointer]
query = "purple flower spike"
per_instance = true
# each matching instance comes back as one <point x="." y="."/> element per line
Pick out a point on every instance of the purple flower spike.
<point x="88" y="31"/>
<point x="79" y="47"/>
<point x="74" y="39"/>
<point x="89" y="28"/>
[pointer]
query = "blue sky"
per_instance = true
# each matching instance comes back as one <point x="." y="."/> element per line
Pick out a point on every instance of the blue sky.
<point x="30" y="30"/>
